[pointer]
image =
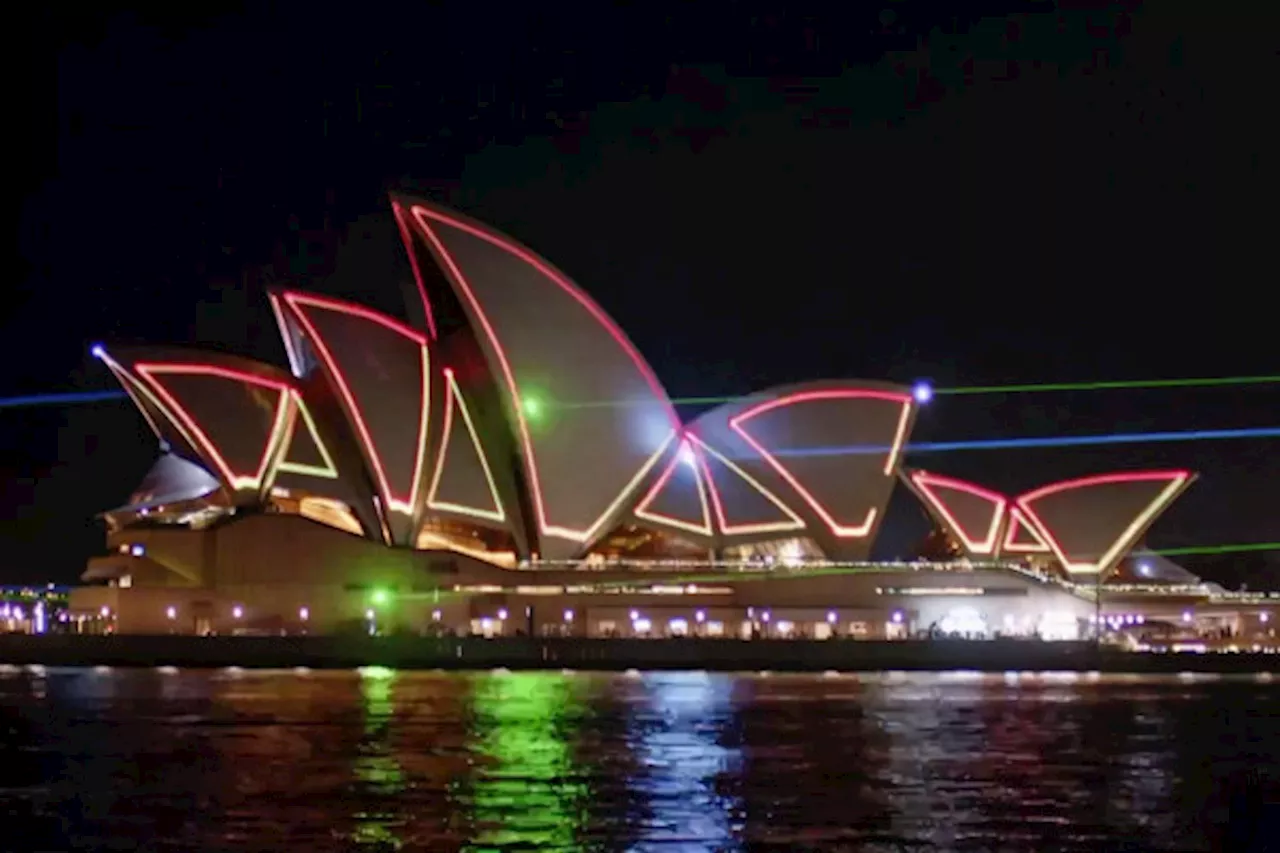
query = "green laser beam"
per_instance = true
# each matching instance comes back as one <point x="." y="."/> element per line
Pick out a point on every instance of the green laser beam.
<point x="676" y="401"/>
<point x="1204" y="550"/>
<point x="972" y="390"/>
<point x="1121" y="384"/>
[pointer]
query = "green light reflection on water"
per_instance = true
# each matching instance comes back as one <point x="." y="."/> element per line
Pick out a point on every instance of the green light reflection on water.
<point x="378" y="775"/>
<point x="526" y="790"/>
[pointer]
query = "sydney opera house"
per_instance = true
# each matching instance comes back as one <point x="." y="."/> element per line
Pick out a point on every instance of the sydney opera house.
<point x="501" y="459"/>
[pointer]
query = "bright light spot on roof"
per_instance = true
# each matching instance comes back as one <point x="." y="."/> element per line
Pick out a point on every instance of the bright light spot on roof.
<point x="532" y="407"/>
<point x="923" y="392"/>
<point x="686" y="455"/>
<point x="1144" y="569"/>
<point x="98" y="351"/>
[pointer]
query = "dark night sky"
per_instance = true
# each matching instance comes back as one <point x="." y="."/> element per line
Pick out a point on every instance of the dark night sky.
<point x="1022" y="193"/>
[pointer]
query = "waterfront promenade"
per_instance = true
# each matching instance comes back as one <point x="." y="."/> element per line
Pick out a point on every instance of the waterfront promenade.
<point x="334" y="652"/>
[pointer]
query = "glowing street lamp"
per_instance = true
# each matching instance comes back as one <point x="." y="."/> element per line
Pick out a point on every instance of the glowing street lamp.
<point x="237" y="612"/>
<point x="171" y="612"/>
<point x="379" y="597"/>
<point x="922" y="392"/>
<point x="568" y="616"/>
<point x="304" y="613"/>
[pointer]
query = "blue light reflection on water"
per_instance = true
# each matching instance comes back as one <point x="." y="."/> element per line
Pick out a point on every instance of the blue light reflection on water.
<point x="677" y="723"/>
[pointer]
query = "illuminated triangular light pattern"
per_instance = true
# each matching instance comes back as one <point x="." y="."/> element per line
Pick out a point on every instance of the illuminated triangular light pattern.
<point x="1174" y="482"/>
<point x="305" y="443"/>
<point x="143" y="399"/>
<point x="430" y="222"/>
<point x="237" y="480"/>
<point x="664" y="503"/>
<point x="942" y="491"/>
<point x="1021" y="537"/>
<point x="783" y="519"/>
<point x="864" y="526"/>
<point x="302" y="305"/>
<point x="461" y="452"/>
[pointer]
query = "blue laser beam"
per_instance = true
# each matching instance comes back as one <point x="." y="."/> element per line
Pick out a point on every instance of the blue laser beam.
<point x="845" y="450"/>
<point x="61" y="399"/>
<point x="1094" y="440"/>
<point x="1040" y="441"/>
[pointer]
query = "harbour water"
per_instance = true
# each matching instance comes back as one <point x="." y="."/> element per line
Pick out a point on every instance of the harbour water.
<point x="213" y="760"/>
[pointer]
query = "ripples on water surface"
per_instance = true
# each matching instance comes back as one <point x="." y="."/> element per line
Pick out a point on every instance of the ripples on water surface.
<point x="377" y="760"/>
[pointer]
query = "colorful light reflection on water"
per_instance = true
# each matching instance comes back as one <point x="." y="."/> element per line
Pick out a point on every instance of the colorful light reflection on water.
<point x="678" y="725"/>
<point x="526" y="790"/>
<point x="378" y="775"/>
<point x="375" y="760"/>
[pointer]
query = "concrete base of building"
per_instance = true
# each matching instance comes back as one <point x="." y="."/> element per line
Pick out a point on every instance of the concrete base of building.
<point x="616" y="655"/>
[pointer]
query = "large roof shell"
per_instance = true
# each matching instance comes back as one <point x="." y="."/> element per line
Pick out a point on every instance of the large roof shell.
<point x="1087" y="524"/>
<point x="230" y="414"/>
<point x="824" y="455"/>
<point x="590" y="416"/>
